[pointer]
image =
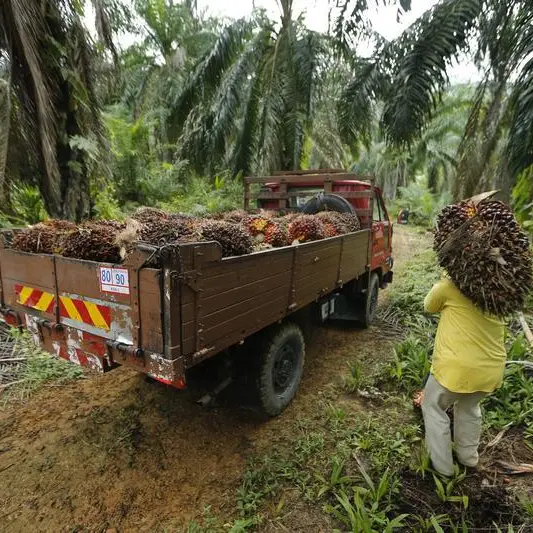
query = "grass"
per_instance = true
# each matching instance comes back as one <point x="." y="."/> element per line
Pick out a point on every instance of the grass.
<point x="35" y="369"/>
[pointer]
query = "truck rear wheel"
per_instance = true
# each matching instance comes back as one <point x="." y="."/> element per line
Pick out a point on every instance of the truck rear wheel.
<point x="280" y="368"/>
<point x="371" y="301"/>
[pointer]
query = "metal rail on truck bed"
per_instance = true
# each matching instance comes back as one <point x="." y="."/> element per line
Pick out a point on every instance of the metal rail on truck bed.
<point x="162" y="321"/>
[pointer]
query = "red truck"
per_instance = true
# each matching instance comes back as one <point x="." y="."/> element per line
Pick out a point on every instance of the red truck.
<point x="165" y="321"/>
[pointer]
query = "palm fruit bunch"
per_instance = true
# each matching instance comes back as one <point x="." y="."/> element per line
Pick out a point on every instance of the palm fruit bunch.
<point x="276" y="234"/>
<point x="235" y="217"/>
<point x="148" y="215"/>
<point x="233" y="239"/>
<point x="351" y="220"/>
<point x="42" y="238"/>
<point x="486" y="254"/>
<point x="305" y="228"/>
<point x="333" y="222"/>
<point x="167" y="231"/>
<point x="451" y="217"/>
<point x="94" y="241"/>
<point x="257" y="226"/>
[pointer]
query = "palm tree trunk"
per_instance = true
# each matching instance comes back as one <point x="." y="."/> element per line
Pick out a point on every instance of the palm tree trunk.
<point x="5" y="128"/>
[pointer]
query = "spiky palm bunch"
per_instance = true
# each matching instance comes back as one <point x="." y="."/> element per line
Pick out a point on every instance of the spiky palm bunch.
<point x="233" y="239"/>
<point x="305" y="228"/>
<point x="486" y="254"/>
<point x="277" y="234"/>
<point x="334" y="219"/>
<point x="236" y="216"/>
<point x="94" y="241"/>
<point x="43" y="238"/>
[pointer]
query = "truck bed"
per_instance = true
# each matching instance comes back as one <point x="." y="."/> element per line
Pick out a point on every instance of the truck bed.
<point x="171" y="318"/>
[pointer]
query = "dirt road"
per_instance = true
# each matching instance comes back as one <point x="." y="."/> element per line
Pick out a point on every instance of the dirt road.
<point x="118" y="453"/>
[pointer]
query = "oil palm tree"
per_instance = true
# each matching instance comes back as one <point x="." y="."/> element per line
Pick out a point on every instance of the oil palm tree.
<point x="54" y="115"/>
<point x="410" y="75"/>
<point x="252" y="100"/>
<point x="249" y="101"/>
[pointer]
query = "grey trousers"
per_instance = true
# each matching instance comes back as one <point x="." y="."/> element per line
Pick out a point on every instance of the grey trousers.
<point x="466" y="429"/>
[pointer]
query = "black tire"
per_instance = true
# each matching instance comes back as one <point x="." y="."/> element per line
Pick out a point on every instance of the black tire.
<point x="371" y="301"/>
<point x="280" y="368"/>
<point x="330" y="202"/>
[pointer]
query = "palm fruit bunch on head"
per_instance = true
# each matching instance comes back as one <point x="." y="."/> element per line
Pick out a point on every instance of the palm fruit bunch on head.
<point x="305" y="228"/>
<point x="451" y="217"/>
<point x="233" y="239"/>
<point x="486" y="254"/>
<point x="43" y="238"/>
<point x="94" y="241"/>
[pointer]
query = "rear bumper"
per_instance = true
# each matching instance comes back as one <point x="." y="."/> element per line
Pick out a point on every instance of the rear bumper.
<point x="92" y="351"/>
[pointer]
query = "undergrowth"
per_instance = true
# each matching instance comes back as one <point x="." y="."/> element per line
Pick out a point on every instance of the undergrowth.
<point x="36" y="369"/>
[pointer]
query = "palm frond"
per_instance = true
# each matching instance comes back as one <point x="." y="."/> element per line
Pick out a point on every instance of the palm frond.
<point x="431" y="43"/>
<point x="307" y="59"/>
<point x="352" y="23"/>
<point x="356" y="107"/>
<point x="23" y="26"/>
<point x="520" y="143"/>
<point x="210" y="69"/>
<point x="227" y="101"/>
<point x="104" y="27"/>
<point x="243" y="157"/>
<point x="5" y="127"/>
<point x="272" y="118"/>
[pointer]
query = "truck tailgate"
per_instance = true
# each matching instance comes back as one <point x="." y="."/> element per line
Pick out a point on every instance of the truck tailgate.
<point x="86" y="312"/>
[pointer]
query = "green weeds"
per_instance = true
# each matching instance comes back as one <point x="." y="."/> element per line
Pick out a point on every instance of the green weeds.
<point x="33" y="368"/>
<point x="411" y="363"/>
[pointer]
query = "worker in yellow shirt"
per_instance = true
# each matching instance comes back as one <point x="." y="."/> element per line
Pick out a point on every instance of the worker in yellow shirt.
<point x="468" y="363"/>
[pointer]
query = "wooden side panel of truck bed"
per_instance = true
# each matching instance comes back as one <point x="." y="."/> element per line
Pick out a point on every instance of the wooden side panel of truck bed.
<point x="195" y="306"/>
<point x="225" y="300"/>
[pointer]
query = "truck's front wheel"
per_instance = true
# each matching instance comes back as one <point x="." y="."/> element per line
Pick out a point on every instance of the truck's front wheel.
<point x="280" y="368"/>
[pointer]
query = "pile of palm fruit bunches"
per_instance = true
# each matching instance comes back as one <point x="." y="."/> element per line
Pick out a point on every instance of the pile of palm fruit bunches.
<point x="482" y="248"/>
<point x="237" y="232"/>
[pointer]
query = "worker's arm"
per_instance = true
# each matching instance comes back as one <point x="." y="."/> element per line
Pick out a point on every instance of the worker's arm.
<point x="436" y="298"/>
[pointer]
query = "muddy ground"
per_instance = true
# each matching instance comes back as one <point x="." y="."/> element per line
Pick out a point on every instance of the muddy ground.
<point x="116" y="452"/>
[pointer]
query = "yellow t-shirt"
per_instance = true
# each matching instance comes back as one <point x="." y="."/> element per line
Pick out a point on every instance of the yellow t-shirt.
<point x="469" y="353"/>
